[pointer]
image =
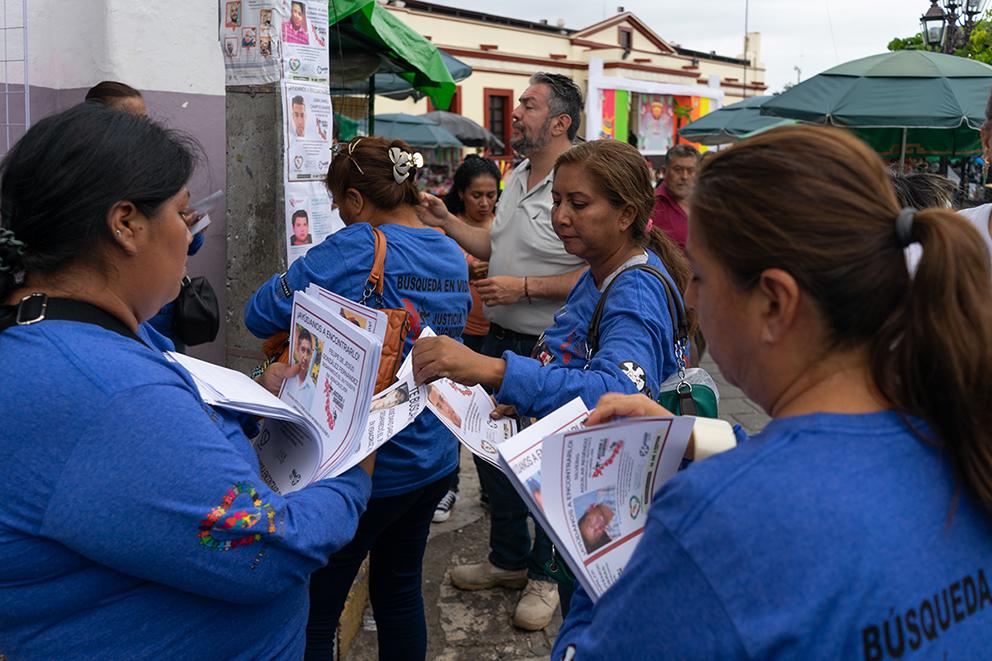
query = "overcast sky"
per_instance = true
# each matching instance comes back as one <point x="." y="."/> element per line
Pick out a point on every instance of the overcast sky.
<point x="813" y="35"/>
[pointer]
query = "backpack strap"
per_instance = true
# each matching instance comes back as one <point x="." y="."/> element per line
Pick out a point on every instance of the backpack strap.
<point x="675" y="308"/>
<point x="377" y="279"/>
<point x="36" y="307"/>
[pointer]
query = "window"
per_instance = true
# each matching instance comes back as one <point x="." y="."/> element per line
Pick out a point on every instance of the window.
<point x="498" y="104"/>
<point x="625" y="38"/>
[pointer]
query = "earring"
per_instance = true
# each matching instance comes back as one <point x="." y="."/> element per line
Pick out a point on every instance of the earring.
<point x="118" y="233"/>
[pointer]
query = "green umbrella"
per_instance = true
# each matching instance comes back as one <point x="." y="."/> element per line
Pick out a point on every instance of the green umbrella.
<point x="930" y="103"/>
<point x="418" y="131"/>
<point x="731" y="123"/>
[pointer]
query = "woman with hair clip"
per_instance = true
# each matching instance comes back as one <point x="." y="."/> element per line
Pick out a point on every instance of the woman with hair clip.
<point x="858" y="524"/>
<point x="472" y="198"/>
<point x="135" y="522"/>
<point x="372" y="183"/>
<point x="602" y="201"/>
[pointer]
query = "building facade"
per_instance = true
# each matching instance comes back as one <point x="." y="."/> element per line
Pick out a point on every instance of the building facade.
<point x="639" y="87"/>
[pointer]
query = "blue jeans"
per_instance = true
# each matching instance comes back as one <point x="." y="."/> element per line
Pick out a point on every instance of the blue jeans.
<point x="393" y="533"/>
<point x="509" y="538"/>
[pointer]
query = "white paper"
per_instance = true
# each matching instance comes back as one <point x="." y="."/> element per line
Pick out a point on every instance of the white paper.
<point x="368" y="319"/>
<point x="520" y="456"/>
<point x="307" y="118"/>
<point x="303" y="32"/>
<point x="597" y="485"/>
<point x="308" y="218"/>
<point x="465" y="412"/>
<point x="250" y="41"/>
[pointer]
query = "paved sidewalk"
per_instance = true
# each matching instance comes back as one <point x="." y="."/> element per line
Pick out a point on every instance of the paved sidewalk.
<point x="475" y="626"/>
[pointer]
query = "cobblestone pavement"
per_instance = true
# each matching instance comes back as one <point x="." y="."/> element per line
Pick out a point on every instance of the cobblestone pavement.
<point x="475" y="626"/>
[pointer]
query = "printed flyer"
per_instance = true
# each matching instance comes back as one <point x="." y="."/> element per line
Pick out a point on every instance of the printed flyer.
<point x="465" y="412"/>
<point x="303" y="29"/>
<point x="308" y="117"/>
<point x="309" y="218"/>
<point x="250" y="41"/>
<point x="597" y="484"/>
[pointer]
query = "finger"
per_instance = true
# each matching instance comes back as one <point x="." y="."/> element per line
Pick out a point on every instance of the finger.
<point x="613" y="406"/>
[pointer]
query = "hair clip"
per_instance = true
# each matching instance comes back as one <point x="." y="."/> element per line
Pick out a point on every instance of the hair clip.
<point x="404" y="162"/>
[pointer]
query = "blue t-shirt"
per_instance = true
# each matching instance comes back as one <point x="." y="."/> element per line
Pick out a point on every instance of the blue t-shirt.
<point x="426" y="274"/>
<point x="134" y="521"/>
<point x="826" y="536"/>
<point x="636" y="347"/>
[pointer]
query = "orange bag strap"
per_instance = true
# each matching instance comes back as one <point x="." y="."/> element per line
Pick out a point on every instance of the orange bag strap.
<point x="377" y="279"/>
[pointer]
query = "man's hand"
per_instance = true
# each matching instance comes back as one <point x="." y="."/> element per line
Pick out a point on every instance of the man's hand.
<point x="368" y="464"/>
<point x="478" y="270"/>
<point x="624" y="406"/>
<point x="443" y="357"/>
<point x="275" y="374"/>
<point x="500" y="289"/>
<point x="432" y="211"/>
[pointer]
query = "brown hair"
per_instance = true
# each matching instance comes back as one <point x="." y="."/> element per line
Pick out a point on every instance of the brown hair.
<point x="817" y="203"/>
<point x="624" y="178"/>
<point x="108" y="91"/>
<point x="363" y="164"/>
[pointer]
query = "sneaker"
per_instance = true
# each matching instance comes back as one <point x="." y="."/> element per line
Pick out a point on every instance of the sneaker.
<point x="487" y="575"/>
<point x="536" y="606"/>
<point x="443" y="510"/>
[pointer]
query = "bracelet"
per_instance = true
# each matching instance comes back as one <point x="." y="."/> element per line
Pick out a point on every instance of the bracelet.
<point x="526" y="293"/>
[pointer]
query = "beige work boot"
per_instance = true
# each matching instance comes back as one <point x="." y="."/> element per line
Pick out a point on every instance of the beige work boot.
<point x="536" y="606"/>
<point x="487" y="575"/>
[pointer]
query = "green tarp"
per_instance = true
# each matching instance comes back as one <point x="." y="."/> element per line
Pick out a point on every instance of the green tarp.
<point x="404" y="52"/>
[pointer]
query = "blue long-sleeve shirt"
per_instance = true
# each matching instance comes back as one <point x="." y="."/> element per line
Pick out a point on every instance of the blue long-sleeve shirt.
<point x="636" y="347"/>
<point x="426" y="274"/>
<point x="824" y="537"/>
<point x="134" y="522"/>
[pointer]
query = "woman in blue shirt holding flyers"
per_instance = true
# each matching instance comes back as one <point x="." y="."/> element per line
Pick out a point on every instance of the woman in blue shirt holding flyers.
<point x="372" y="181"/>
<point x="858" y="524"/>
<point x="603" y="198"/>
<point x="135" y="523"/>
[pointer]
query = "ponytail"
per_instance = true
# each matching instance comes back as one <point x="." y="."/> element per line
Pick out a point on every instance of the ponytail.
<point x="933" y="356"/>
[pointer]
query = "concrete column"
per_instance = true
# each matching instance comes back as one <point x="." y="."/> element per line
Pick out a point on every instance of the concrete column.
<point x="256" y="240"/>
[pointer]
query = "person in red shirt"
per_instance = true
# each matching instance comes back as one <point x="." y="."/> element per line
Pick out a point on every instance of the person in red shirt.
<point x="671" y="198"/>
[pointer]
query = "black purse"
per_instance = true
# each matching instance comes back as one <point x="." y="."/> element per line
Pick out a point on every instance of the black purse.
<point x="196" y="314"/>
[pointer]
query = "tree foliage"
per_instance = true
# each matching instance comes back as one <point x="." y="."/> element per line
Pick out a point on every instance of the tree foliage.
<point x="979" y="46"/>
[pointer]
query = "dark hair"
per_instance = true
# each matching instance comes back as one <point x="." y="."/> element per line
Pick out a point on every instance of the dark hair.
<point x="922" y="190"/>
<point x="564" y="97"/>
<point x="834" y="231"/>
<point x="624" y="178"/>
<point x="298" y="100"/>
<point x="58" y="183"/>
<point x="304" y="334"/>
<point x="471" y="168"/>
<point x="300" y="213"/>
<point x="363" y="164"/>
<point x="682" y="150"/>
<point x="108" y="91"/>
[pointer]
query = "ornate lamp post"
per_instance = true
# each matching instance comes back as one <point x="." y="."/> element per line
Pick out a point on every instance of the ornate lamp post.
<point x="947" y="25"/>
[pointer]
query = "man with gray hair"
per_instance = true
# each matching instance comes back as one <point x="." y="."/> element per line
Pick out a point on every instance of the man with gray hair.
<point x="671" y="198"/>
<point x="530" y="275"/>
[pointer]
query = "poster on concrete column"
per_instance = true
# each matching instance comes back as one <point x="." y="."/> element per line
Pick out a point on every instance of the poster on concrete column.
<point x="304" y="38"/>
<point x="250" y="41"/>
<point x="307" y="118"/>
<point x="309" y="218"/>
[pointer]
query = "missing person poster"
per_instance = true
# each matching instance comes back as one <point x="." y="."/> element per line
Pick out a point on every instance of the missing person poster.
<point x="304" y="36"/>
<point x="309" y="218"/>
<point x="307" y="119"/>
<point x="250" y="41"/>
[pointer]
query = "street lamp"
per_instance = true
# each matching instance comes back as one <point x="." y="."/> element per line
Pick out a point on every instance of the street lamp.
<point x="947" y="25"/>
